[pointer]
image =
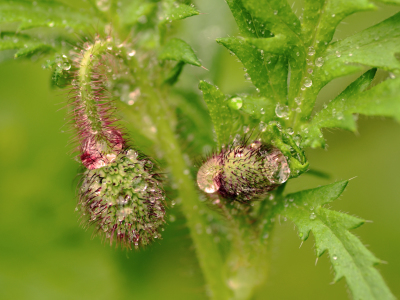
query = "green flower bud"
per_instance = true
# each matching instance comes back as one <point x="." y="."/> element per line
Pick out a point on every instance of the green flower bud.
<point x="124" y="200"/>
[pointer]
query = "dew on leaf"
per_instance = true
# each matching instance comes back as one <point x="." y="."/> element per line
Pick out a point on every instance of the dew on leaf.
<point x="236" y="103"/>
<point x="307" y="82"/>
<point x="311" y="51"/>
<point x="282" y="111"/>
<point x="319" y="62"/>
<point x="313" y="216"/>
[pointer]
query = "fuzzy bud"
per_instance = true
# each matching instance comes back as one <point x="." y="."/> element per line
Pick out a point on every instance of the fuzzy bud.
<point x="124" y="200"/>
<point x="243" y="172"/>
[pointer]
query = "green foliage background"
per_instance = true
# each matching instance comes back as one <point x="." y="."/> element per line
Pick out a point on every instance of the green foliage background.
<point x="45" y="254"/>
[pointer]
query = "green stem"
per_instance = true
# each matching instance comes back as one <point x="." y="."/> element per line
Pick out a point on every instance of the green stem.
<point x="207" y="251"/>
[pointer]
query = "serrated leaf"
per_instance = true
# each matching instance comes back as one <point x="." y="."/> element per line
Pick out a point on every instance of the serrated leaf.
<point x="179" y="50"/>
<point x="268" y="72"/>
<point x="24" y="44"/>
<point x="349" y="257"/>
<point x="321" y="18"/>
<point x="333" y="115"/>
<point x="275" y="15"/>
<point x="380" y="100"/>
<point x="32" y="14"/>
<point x="248" y="25"/>
<point x="377" y="46"/>
<point x="219" y="112"/>
<point x="33" y="49"/>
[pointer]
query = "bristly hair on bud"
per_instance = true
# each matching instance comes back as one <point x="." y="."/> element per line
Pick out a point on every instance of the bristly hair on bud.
<point x="124" y="200"/>
<point x="99" y="139"/>
<point x="120" y="191"/>
<point x="243" y="172"/>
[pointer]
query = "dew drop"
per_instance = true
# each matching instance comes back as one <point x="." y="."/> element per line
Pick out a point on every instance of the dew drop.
<point x="307" y="82"/>
<point x="313" y="216"/>
<point x="319" y="62"/>
<point x="236" y="103"/>
<point x="132" y="53"/>
<point x="311" y="51"/>
<point x="275" y="12"/>
<point x="282" y="111"/>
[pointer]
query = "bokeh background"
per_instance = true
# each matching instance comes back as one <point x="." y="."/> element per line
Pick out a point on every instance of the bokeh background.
<point x="45" y="254"/>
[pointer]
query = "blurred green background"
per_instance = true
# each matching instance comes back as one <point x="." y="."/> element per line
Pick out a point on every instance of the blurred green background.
<point x="45" y="253"/>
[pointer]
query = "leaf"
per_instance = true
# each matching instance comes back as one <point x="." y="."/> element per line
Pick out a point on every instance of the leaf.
<point x="260" y="108"/>
<point x="134" y="11"/>
<point x="267" y="72"/>
<point x="333" y="115"/>
<point x="173" y="75"/>
<point x="179" y="50"/>
<point x="275" y="15"/>
<point x="175" y="12"/>
<point x="219" y="112"/>
<point x="321" y="18"/>
<point x="248" y="26"/>
<point x="32" y="14"/>
<point x="349" y="257"/>
<point x="24" y="44"/>
<point x="377" y="46"/>
<point x="380" y="100"/>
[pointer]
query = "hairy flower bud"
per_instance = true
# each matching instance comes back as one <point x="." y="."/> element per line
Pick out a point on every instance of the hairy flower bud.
<point x="243" y="172"/>
<point x="124" y="200"/>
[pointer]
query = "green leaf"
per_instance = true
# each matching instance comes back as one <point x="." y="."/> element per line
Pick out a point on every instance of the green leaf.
<point x="248" y="25"/>
<point x="179" y="50"/>
<point x="380" y="100"/>
<point x="24" y="44"/>
<point x="134" y="11"/>
<point x="321" y="17"/>
<point x="349" y="257"/>
<point x="260" y="108"/>
<point x="32" y="14"/>
<point x="173" y="75"/>
<point x="219" y="112"/>
<point x="275" y="15"/>
<point x="175" y="12"/>
<point x="268" y="72"/>
<point x="377" y="46"/>
<point x="179" y="12"/>
<point x="333" y="115"/>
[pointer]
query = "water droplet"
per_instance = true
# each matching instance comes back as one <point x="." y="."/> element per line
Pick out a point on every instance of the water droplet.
<point x="313" y="216"/>
<point x="334" y="257"/>
<point x="132" y="53"/>
<point x="297" y="100"/>
<point x="275" y="12"/>
<point x="282" y="111"/>
<point x="311" y="51"/>
<point x="66" y="66"/>
<point x="206" y="175"/>
<point x="290" y="130"/>
<point x="236" y="103"/>
<point x="307" y="82"/>
<point x="278" y="167"/>
<point x="319" y="62"/>
<point x="51" y="24"/>
<point x="333" y="15"/>
<point x="338" y="54"/>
